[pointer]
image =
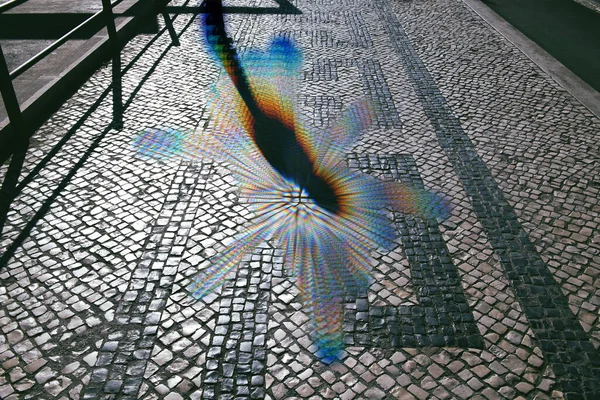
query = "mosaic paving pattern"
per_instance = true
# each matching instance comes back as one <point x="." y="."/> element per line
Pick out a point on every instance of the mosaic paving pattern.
<point x="441" y="316"/>
<point x="569" y="351"/>
<point x="501" y="300"/>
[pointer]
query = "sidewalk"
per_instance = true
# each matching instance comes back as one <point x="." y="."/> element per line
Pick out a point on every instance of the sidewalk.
<point x="500" y="300"/>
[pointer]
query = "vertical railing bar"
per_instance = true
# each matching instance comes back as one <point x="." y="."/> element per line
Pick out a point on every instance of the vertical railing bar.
<point x="13" y="110"/>
<point x="19" y="142"/>
<point x="116" y="65"/>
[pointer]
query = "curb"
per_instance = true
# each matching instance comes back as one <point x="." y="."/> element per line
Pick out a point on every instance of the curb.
<point x="573" y="84"/>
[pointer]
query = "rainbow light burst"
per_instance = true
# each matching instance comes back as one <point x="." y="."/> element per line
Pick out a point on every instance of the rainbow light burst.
<point x="327" y="238"/>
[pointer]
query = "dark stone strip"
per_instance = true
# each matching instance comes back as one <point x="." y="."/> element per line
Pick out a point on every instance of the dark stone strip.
<point x="359" y="33"/>
<point x="379" y="94"/>
<point x="322" y="38"/>
<point x="236" y="360"/>
<point x="122" y="360"/>
<point x="443" y="316"/>
<point x="373" y="82"/>
<point x="324" y="70"/>
<point x="564" y="343"/>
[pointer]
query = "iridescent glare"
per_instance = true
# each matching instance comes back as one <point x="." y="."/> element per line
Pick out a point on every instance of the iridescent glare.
<point x="326" y="217"/>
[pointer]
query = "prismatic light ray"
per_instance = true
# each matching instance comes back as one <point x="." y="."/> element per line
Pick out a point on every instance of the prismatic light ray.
<point x="326" y="217"/>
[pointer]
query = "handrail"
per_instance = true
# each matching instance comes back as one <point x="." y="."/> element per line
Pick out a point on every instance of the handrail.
<point x="33" y="60"/>
<point x="10" y="4"/>
<point x="7" y="90"/>
<point x="17" y="137"/>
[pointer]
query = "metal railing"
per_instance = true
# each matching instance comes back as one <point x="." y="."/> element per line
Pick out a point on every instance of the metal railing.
<point x="11" y="103"/>
<point x="10" y="4"/>
<point x="16" y="142"/>
<point x="106" y="9"/>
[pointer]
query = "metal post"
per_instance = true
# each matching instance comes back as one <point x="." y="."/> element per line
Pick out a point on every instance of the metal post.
<point x="116" y="64"/>
<point x="18" y="136"/>
<point x="16" y="144"/>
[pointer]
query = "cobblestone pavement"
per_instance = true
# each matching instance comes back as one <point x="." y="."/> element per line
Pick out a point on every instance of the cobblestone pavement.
<point x="501" y="300"/>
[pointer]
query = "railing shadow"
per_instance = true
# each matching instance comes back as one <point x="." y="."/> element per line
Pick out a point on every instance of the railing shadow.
<point x="285" y="7"/>
<point x="12" y="188"/>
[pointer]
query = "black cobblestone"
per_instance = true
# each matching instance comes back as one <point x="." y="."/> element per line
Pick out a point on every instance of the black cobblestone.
<point x="135" y="324"/>
<point x="443" y="317"/>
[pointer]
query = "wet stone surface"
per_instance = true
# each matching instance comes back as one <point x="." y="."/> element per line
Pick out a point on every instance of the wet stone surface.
<point x="500" y="300"/>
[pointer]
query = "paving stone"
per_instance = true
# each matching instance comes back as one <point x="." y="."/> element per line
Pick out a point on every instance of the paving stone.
<point x="499" y="300"/>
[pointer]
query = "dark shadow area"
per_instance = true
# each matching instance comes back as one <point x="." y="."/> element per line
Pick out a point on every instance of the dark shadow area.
<point x="285" y="7"/>
<point x="567" y="30"/>
<point x="276" y="140"/>
<point x="9" y="190"/>
<point x="53" y="26"/>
